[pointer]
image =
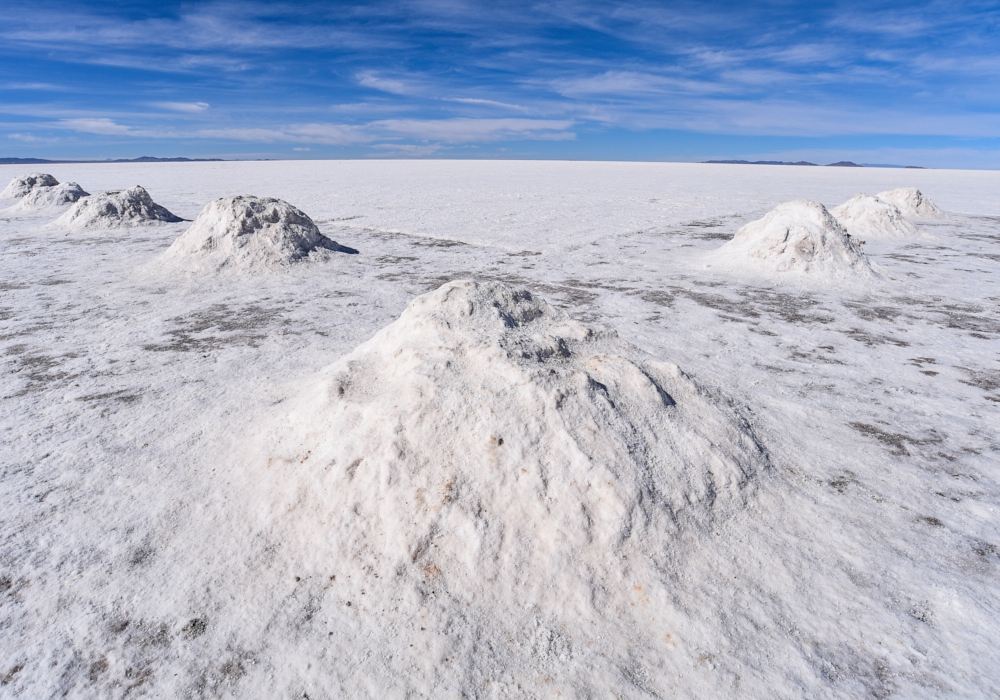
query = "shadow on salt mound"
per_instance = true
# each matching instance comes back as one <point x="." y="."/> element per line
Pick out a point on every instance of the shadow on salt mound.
<point x="866" y="217"/>
<point x="800" y="236"/>
<point x="115" y="209"/>
<point x="250" y="233"/>
<point x="488" y="438"/>
<point x="911" y="202"/>
<point x="22" y="185"/>
<point x="50" y="197"/>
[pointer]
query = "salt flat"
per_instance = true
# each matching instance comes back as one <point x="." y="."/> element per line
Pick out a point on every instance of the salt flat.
<point x="166" y="535"/>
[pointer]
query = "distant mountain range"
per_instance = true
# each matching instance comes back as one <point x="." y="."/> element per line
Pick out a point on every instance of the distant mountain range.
<point x="838" y="164"/>
<point x="143" y="159"/>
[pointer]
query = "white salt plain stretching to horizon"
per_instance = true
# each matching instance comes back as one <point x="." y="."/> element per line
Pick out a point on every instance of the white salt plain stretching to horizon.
<point x="167" y="534"/>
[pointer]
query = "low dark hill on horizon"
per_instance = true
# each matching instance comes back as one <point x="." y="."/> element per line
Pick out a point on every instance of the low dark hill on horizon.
<point x="838" y="164"/>
<point x="142" y="159"/>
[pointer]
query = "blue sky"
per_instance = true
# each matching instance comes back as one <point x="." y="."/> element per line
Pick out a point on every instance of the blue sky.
<point x="876" y="82"/>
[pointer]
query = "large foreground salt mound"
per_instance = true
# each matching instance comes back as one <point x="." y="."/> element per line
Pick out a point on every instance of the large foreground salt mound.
<point x="249" y="233"/>
<point x="911" y="202"/>
<point x="487" y="447"/>
<point x="131" y="207"/>
<point x="796" y="236"/>
<point x="865" y="216"/>
<point x="22" y="185"/>
<point x="49" y="197"/>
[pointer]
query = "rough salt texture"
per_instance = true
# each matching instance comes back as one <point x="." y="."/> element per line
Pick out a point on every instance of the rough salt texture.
<point x="249" y="233"/>
<point x="867" y="217"/>
<point x="911" y="202"/>
<point x="23" y="184"/>
<point x="797" y="236"/>
<point x="121" y="209"/>
<point x="49" y="197"/>
<point x="143" y="556"/>
<point x="518" y="463"/>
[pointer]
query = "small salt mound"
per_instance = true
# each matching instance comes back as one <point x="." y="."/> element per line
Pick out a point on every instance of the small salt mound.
<point x="21" y="186"/>
<point x="488" y="442"/>
<point x="865" y="217"/>
<point x="51" y="196"/>
<point x="249" y="233"/>
<point x="911" y="202"/>
<point x="131" y="207"/>
<point x="796" y="236"/>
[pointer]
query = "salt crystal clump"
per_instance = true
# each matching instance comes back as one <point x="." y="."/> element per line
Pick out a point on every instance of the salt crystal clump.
<point x="22" y="185"/>
<point x="796" y="236"/>
<point x="131" y="207"/>
<point x="51" y="196"/>
<point x="866" y="217"/>
<point x="911" y="202"/>
<point x="248" y="233"/>
<point x="515" y="461"/>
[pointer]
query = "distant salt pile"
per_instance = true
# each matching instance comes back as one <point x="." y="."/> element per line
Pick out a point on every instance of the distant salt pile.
<point x="796" y="236"/>
<point x="249" y="233"/>
<point x="22" y="185"/>
<point x="131" y="207"/>
<point x="866" y="217"/>
<point x="487" y="447"/>
<point x="49" y="197"/>
<point x="911" y="202"/>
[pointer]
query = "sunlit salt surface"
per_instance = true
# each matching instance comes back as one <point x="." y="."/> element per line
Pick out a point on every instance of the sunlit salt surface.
<point x="762" y="485"/>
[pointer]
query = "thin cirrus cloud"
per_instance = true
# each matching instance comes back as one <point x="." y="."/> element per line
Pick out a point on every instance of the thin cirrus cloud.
<point x="95" y="125"/>
<point x="425" y="78"/>
<point x="189" y="107"/>
<point x="446" y="131"/>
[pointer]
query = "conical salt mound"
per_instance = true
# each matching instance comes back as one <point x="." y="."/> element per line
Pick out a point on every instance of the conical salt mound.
<point x="866" y="217"/>
<point x="131" y="207"/>
<point x="249" y="233"/>
<point x="519" y="463"/>
<point x="911" y="202"/>
<point x="49" y="197"/>
<point x="797" y="236"/>
<point x="22" y="185"/>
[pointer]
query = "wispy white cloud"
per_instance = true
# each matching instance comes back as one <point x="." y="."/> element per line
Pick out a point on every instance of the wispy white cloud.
<point x="462" y="130"/>
<point x="488" y="103"/>
<point x="24" y="138"/>
<point x="394" y="86"/>
<point x="627" y="84"/>
<point x="189" y="107"/>
<point x="452" y="131"/>
<point x="398" y="150"/>
<point x="101" y="125"/>
<point x="32" y="86"/>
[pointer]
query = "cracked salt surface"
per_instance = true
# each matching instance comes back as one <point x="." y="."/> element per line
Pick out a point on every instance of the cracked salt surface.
<point x="146" y="554"/>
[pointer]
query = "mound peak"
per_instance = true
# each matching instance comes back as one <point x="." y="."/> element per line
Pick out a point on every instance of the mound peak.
<point x="512" y="454"/>
<point x="911" y="202"/>
<point x="22" y="185"/>
<point x="115" y="209"/>
<point x="797" y="236"/>
<point x="246" y="232"/>
<point x="865" y="216"/>
<point x="48" y="197"/>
